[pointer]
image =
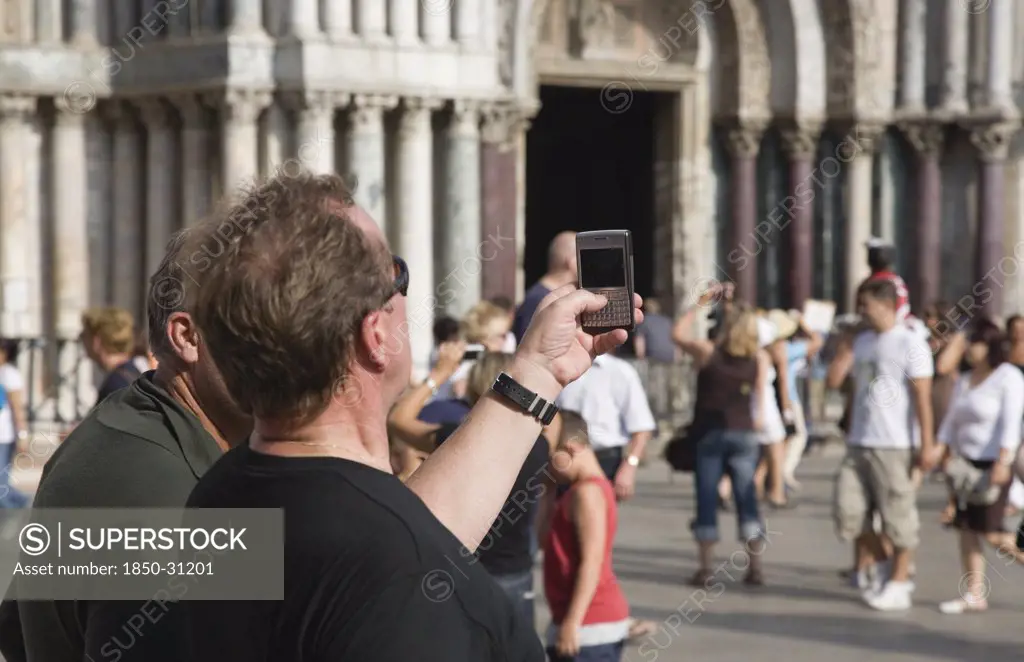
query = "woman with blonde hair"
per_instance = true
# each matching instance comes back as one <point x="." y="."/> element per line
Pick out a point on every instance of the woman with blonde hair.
<point x="486" y="326"/>
<point x="730" y="373"/>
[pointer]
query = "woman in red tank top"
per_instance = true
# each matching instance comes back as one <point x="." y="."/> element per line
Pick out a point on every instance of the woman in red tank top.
<point x="589" y="611"/>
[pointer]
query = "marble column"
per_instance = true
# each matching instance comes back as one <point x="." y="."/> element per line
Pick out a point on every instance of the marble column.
<point x="239" y="112"/>
<point x="70" y="208"/>
<point x="195" y="160"/>
<point x="315" y="129"/>
<point x="15" y="258"/>
<point x="366" y="148"/>
<point x="857" y="152"/>
<point x="276" y="136"/>
<point x="489" y="30"/>
<point x="927" y="138"/>
<point x="414" y="205"/>
<point x="993" y="144"/>
<point x="83" y="22"/>
<point x="460" y="220"/>
<point x="160" y="220"/>
<point x="912" y="61"/>
<point x="998" y="78"/>
<point x="744" y="244"/>
<point x="800" y="142"/>
<point x="404" y="20"/>
<point x="499" y="154"/>
<point x="337" y="18"/>
<point x="305" y="18"/>
<point x="371" y="20"/>
<point x="955" y="54"/>
<point x="49" y="21"/>
<point x="127" y="266"/>
<point x="246" y="16"/>
<point x="468" y="23"/>
<point x="436" y="20"/>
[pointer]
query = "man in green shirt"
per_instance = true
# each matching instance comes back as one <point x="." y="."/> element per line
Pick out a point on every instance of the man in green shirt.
<point x="145" y="446"/>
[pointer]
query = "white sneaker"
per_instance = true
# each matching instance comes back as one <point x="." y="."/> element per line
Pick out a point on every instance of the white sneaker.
<point x="861" y="580"/>
<point x="881" y="572"/>
<point x="894" y="597"/>
<point x="963" y="605"/>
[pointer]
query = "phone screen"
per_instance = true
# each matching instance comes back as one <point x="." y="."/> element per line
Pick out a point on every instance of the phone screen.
<point x="603" y="268"/>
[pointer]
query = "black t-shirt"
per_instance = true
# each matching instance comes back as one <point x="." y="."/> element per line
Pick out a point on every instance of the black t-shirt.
<point x="370" y="574"/>
<point x="118" y="378"/>
<point x="506" y="548"/>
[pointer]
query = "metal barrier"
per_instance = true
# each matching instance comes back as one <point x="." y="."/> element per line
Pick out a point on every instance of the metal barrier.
<point x="54" y="380"/>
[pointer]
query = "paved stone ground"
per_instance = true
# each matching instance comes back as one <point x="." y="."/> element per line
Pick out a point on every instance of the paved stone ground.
<point x="806" y="612"/>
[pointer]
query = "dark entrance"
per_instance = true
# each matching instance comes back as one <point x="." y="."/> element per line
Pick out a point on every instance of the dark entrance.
<point x="589" y="169"/>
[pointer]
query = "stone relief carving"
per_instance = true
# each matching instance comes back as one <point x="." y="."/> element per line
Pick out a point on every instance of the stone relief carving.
<point x="744" y="138"/>
<point x="839" y="35"/>
<point x="926" y="137"/>
<point x="595" y="24"/>
<point x="800" y="140"/>
<point x="992" y="140"/>
<point x="674" y="30"/>
<point x="507" y="14"/>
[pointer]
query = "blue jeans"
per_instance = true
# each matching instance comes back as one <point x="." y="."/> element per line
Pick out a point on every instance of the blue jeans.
<point x="736" y="453"/>
<point x="519" y="589"/>
<point x="602" y="653"/>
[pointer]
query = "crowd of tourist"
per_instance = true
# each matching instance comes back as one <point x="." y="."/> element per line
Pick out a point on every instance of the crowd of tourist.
<point x="284" y="381"/>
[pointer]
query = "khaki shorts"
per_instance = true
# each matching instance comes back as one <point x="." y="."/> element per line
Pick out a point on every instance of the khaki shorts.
<point x="877" y="479"/>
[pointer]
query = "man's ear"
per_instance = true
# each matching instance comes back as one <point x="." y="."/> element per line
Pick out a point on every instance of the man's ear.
<point x="183" y="337"/>
<point x="373" y="338"/>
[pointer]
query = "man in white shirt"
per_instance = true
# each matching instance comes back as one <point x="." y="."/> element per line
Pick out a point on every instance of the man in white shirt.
<point x="892" y="372"/>
<point x="612" y="401"/>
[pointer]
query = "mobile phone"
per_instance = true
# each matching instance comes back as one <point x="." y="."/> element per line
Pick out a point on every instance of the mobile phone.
<point x="473" y="352"/>
<point x="604" y="265"/>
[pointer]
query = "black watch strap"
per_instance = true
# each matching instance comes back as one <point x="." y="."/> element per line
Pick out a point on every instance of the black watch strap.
<point x="524" y="398"/>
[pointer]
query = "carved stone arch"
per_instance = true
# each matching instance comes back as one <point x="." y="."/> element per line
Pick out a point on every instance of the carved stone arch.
<point x="796" y="47"/>
<point x="860" y="37"/>
<point x="840" y="57"/>
<point x="743" y="59"/>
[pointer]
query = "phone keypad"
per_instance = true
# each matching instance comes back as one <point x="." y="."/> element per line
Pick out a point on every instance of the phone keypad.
<point x="615" y="313"/>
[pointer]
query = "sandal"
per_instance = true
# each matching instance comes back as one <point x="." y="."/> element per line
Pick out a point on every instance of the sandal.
<point x="700" y="578"/>
<point x="963" y="606"/>
<point x="788" y="504"/>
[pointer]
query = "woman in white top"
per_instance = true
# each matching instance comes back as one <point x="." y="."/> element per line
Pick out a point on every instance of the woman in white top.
<point x="769" y="475"/>
<point x="983" y="427"/>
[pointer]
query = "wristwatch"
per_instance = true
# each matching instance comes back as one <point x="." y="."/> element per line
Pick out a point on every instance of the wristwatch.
<point x="524" y="399"/>
<point x="432" y="385"/>
<point x="633" y="461"/>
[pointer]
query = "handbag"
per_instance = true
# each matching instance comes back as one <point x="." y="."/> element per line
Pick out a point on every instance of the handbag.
<point x="970" y="484"/>
<point x="681" y="450"/>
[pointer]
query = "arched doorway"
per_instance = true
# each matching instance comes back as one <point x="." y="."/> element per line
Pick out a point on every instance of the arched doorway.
<point x="590" y="169"/>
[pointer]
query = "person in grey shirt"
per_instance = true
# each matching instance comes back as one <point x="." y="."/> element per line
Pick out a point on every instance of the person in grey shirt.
<point x="653" y="340"/>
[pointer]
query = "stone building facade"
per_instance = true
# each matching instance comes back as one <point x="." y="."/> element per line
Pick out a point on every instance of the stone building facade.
<point x="788" y="132"/>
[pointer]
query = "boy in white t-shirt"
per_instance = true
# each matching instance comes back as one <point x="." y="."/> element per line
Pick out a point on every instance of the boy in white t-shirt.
<point x="890" y="431"/>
